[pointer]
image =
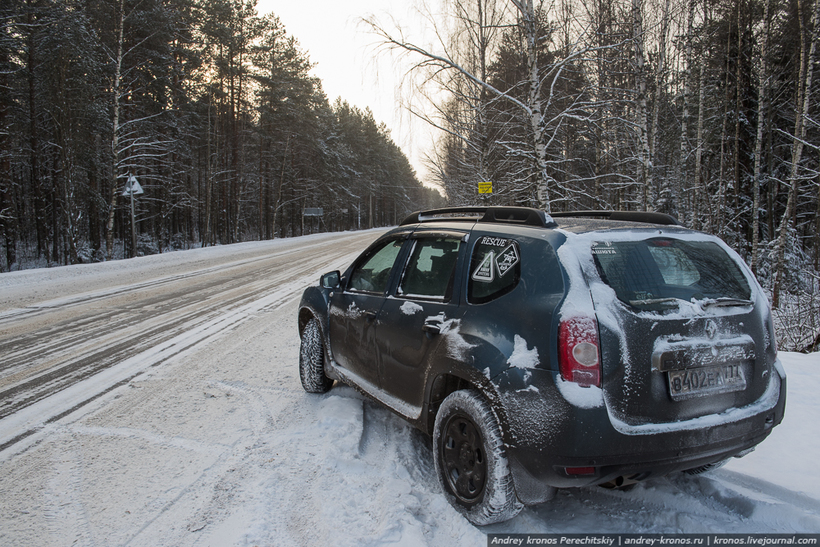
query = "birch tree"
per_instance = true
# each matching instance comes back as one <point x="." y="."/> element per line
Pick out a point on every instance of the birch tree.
<point x="665" y="202"/>
<point x="538" y="85"/>
<point x="475" y="31"/>
<point x="116" y="97"/>
<point x="643" y="177"/>
<point x="689" y="63"/>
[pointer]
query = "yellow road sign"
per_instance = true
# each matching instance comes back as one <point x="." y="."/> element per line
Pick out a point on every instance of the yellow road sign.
<point x="485" y="187"/>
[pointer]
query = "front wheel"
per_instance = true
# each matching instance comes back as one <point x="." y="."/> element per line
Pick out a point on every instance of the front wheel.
<point x="312" y="360"/>
<point x="471" y="461"/>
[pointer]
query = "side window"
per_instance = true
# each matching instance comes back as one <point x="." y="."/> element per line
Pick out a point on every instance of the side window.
<point x="373" y="274"/>
<point x="430" y="269"/>
<point x="495" y="269"/>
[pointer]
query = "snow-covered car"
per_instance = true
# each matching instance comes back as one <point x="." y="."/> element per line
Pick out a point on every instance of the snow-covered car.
<point x="551" y="351"/>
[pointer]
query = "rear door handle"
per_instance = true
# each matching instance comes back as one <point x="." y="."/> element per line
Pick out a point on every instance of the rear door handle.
<point x="370" y="315"/>
<point x="433" y="326"/>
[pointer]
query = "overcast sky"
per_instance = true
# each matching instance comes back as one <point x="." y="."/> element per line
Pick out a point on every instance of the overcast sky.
<point x="343" y="51"/>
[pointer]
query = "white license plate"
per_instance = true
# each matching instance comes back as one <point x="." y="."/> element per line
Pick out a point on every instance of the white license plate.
<point x="696" y="382"/>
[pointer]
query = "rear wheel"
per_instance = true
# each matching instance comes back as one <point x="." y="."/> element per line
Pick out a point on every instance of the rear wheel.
<point x="312" y="360"/>
<point x="471" y="461"/>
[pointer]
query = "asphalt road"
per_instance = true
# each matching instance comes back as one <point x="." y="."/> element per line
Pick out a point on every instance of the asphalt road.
<point x="69" y="335"/>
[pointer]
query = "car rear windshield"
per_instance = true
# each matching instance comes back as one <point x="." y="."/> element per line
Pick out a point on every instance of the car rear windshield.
<point x="656" y="273"/>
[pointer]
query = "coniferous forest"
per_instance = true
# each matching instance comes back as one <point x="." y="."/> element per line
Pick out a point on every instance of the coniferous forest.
<point x="704" y="109"/>
<point x="208" y="104"/>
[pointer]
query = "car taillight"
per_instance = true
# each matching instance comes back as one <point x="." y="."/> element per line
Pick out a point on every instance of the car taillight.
<point x="578" y="351"/>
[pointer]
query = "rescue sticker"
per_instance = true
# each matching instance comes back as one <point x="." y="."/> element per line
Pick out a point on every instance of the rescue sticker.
<point x="494" y="241"/>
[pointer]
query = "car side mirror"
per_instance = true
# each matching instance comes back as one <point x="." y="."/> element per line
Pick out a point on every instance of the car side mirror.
<point x="330" y="280"/>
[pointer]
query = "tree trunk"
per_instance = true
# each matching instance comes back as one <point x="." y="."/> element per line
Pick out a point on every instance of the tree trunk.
<point x="699" y="182"/>
<point x="721" y="199"/>
<point x="664" y="191"/>
<point x="644" y="173"/>
<point x="115" y="128"/>
<point x="802" y="114"/>
<point x="738" y="105"/>
<point x="687" y="91"/>
<point x="534" y="103"/>
<point x="34" y="137"/>
<point x="762" y="106"/>
<point x="206" y="237"/>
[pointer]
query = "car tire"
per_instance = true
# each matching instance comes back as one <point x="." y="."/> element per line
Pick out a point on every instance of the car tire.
<point x="312" y="359"/>
<point x="471" y="461"/>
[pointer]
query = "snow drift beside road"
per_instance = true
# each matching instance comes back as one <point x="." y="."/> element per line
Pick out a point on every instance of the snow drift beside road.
<point x="221" y="446"/>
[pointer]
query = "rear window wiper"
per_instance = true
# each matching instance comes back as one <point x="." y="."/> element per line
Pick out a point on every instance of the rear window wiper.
<point x="726" y="302"/>
<point x="660" y="302"/>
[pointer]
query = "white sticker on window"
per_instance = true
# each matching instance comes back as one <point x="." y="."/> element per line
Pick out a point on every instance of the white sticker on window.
<point x="506" y="260"/>
<point x="485" y="272"/>
<point x="493" y="241"/>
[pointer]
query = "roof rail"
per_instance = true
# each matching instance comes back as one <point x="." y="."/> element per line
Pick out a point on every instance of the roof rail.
<point x="526" y="216"/>
<point x="648" y="217"/>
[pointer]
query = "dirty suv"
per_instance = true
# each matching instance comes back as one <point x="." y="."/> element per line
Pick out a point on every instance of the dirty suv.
<point x="551" y="351"/>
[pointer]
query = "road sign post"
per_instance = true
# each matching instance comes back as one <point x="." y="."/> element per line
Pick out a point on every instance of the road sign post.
<point x="317" y="212"/>
<point x="133" y="187"/>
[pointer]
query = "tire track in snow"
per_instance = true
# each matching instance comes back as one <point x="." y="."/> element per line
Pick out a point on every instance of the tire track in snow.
<point x="84" y="297"/>
<point x="25" y="421"/>
<point x="95" y="337"/>
<point x="153" y="438"/>
<point x="64" y="512"/>
<point x="224" y="480"/>
<point x="701" y="504"/>
<point x="62" y="378"/>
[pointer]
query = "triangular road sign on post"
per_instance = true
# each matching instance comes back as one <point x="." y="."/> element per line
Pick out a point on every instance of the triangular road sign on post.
<point x="132" y="187"/>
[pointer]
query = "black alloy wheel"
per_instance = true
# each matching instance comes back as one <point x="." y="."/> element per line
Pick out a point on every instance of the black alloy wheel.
<point x="471" y="459"/>
<point x="464" y="459"/>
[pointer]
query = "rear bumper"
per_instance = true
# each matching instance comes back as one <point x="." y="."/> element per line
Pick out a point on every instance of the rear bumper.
<point x="554" y="443"/>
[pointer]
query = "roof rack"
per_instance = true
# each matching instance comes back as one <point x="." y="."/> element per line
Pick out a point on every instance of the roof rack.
<point x="629" y="216"/>
<point x="526" y="216"/>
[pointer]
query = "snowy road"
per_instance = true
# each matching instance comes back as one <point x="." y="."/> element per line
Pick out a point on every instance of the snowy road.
<point x="195" y="430"/>
<point x="83" y="343"/>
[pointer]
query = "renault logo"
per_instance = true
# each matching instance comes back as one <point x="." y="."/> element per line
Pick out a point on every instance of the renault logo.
<point x="711" y="329"/>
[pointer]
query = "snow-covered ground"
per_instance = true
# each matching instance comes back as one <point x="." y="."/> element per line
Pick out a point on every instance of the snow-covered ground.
<point x="219" y="445"/>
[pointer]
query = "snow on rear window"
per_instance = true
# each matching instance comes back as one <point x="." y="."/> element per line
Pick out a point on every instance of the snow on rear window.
<point x="650" y="273"/>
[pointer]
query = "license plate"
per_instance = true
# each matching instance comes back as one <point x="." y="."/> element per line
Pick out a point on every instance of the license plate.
<point x="696" y="382"/>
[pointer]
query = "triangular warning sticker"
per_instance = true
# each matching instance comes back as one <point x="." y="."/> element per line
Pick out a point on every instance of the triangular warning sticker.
<point x="485" y="271"/>
<point x="506" y="260"/>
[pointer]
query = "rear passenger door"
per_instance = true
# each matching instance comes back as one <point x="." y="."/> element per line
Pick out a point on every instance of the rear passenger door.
<point x="414" y="320"/>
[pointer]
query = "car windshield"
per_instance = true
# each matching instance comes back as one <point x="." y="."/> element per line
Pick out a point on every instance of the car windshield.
<point x="657" y="273"/>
